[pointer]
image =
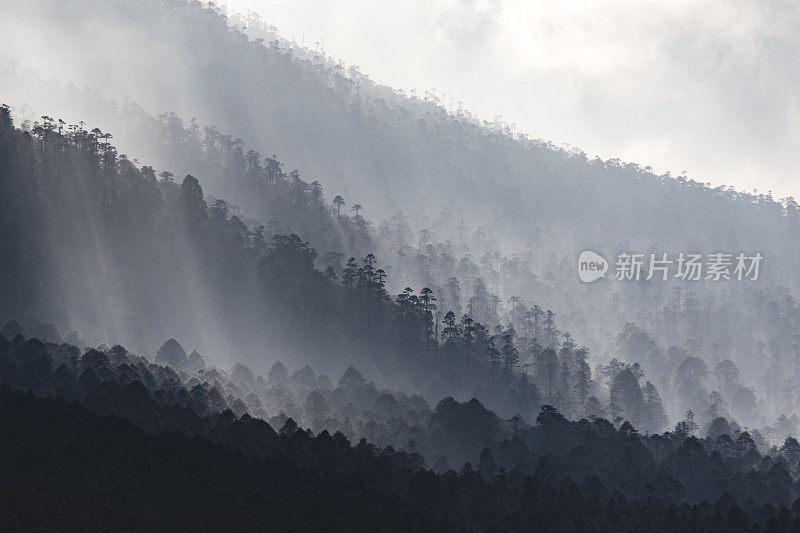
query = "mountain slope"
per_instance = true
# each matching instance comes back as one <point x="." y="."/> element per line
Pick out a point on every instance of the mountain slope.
<point x="529" y="208"/>
<point x="390" y="152"/>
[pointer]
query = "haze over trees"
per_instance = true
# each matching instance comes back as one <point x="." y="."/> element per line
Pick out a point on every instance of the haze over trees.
<point x="386" y="308"/>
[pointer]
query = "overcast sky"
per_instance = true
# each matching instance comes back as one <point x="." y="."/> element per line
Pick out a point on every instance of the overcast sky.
<point x="710" y="88"/>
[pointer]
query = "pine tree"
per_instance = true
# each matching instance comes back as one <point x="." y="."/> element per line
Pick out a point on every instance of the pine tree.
<point x="350" y="274"/>
<point x="493" y="354"/>
<point x="509" y="352"/>
<point x="468" y="329"/>
<point x="583" y="377"/>
<point x="450" y="333"/>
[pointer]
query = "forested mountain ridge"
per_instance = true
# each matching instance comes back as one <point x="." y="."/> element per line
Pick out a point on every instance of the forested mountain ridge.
<point x="394" y="152"/>
<point x="467" y="270"/>
<point x="149" y="255"/>
<point x="183" y="261"/>
<point x="172" y="483"/>
<point x="378" y="295"/>
<point x="184" y="432"/>
<point x="478" y="202"/>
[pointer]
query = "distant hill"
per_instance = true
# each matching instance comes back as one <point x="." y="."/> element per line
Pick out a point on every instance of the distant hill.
<point x="391" y="152"/>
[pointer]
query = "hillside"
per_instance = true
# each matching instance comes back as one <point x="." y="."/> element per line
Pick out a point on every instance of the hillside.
<point x="392" y="152"/>
<point x="245" y="287"/>
<point x="179" y="445"/>
<point x="503" y="215"/>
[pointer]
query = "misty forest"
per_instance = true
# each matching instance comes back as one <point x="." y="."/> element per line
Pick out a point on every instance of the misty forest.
<point x="246" y="287"/>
